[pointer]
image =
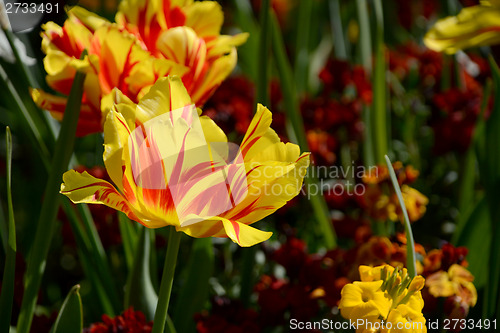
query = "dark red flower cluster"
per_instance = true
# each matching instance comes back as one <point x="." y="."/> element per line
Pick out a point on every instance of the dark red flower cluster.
<point x="409" y="57"/>
<point x="228" y="316"/>
<point x="455" y="111"/>
<point x="341" y="78"/>
<point x="129" y="322"/>
<point x="335" y="115"/>
<point x="231" y="106"/>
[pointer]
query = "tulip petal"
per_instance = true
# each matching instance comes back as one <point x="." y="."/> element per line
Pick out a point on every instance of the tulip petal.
<point x="205" y="17"/>
<point x="244" y="235"/>
<point x="166" y="95"/>
<point x="90" y="20"/>
<point x="259" y="136"/>
<point x="473" y="26"/>
<point x="117" y="132"/>
<point x="84" y="188"/>
<point x="270" y="187"/>
<point x="88" y="122"/>
<point x="216" y="72"/>
<point x="225" y="44"/>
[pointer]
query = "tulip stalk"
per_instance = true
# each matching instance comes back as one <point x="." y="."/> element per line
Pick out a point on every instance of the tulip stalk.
<point x="167" y="280"/>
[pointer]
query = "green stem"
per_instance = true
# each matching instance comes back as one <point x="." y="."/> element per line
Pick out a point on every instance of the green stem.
<point x="263" y="56"/>
<point x="411" y="263"/>
<point x="379" y="114"/>
<point x="47" y="221"/>
<point x="293" y="114"/>
<point x="167" y="280"/>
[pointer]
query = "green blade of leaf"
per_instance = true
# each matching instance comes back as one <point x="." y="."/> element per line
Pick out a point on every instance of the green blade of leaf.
<point x="99" y="256"/>
<point x="247" y="53"/>
<point x="263" y="56"/>
<point x="47" y="221"/>
<point x="194" y="293"/>
<point x="297" y="130"/>
<point x="88" y="258"/>
<point x="129" y="238"/>
<point x="139" y="291"/>
<point x="302" y="46"/>
<point x="340" y="48"/>
<point x="491" y="181"/>
<point x="70" y="317"/>
<point x="476" y="236"/>
<point x="7" y="295"/>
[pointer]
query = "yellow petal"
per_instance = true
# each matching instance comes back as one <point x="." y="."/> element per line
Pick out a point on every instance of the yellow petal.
<point x="364" y="299"/>
<point x="473" y="26"/>
<point x="205" y="18"/>
<point x="116" y="134"/>
<point x="244" y="235"/>
<point x="166" y="95"/>
<point x="84" y="188"/>
<point x="225" y="44"/>
<point x="90" y="20"/>
<point x="259" y="136"/>
<point x="217" y="71"/>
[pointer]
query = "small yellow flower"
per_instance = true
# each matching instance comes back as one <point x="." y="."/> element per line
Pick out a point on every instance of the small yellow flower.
<point x="364" y="300"/>
<point x="473" y="26"/>
<point x="405" y="319"/>
<point x="390" y="289"/>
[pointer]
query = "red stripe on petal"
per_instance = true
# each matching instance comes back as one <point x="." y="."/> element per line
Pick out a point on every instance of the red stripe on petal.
<point x="236" y="230"/>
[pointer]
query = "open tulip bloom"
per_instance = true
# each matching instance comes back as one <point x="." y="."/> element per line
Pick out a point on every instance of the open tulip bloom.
<point x="150" y="40"/>
<point x="173" y="167"/>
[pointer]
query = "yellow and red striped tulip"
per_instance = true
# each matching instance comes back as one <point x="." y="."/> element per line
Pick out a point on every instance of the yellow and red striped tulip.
<point x="179" y="188"/>
<point x="188" y="33"/>
<point x="151" y="39"/>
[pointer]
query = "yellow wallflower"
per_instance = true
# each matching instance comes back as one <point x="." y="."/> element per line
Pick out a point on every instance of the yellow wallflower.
<point x="404" y="319"/>
<point x="364" y="300"/>
<point x="386" y="299"/>
<point x="172" y="167"/>
<point x="473" y="26"/>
